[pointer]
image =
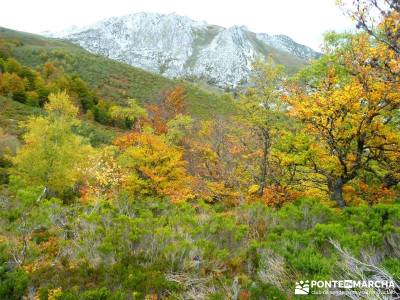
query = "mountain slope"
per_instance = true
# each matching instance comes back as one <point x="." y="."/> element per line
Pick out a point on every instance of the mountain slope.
<point x="177" y="46"/>
<point x="115" y="81"/>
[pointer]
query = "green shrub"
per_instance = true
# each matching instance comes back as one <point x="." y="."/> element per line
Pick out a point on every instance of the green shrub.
<point x="13" y="283"/>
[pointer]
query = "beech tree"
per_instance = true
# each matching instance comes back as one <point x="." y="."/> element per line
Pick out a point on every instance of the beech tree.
<point x="152" y="166"/>
<point x="379" y="19"/>
<point x="12" y="85"/>
<point x="260" y="109"/>
<point x="350" y="116"/>
<point x="128" y="114"/>
<point x="52" y="156"/>
<point x="171" y="104"/>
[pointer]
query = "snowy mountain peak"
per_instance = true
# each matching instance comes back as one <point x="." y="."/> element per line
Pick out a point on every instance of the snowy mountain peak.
<point x="177" y="46"/>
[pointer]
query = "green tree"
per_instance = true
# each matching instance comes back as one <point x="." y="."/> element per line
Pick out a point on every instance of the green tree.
<point x="260" y="111"/>
<point x="13" y="66"/>
<point x="83" y="93"/>
<point x="178" y="128"/>
<point x="128" y="114"/>
<point x="5" y="50"/>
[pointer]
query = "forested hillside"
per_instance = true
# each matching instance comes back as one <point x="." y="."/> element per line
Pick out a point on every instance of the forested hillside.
<point x="111" y="80"/>
<point x="116" y="183"/>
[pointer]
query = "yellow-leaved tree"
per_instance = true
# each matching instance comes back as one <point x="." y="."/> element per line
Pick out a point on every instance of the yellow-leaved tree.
<point x="52" y="155"/>
<point x="260" y="110"/>
<point x="150" y="166"/>
<point x="349" y="107"/>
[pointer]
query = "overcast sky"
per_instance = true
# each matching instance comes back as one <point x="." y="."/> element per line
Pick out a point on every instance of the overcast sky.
<point x="303" y="20"/>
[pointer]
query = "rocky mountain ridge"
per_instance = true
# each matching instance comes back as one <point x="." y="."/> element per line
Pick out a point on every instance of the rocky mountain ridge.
<point x="177" y="46"/>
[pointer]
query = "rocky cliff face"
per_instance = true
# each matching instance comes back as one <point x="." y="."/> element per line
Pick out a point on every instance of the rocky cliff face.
<point x="177" y="46"/>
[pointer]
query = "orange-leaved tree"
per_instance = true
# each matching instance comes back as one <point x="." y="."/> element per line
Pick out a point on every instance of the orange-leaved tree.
<point x="171" y="104"/>
<point x="151" y="166"/>
<point x="349" y="110"/>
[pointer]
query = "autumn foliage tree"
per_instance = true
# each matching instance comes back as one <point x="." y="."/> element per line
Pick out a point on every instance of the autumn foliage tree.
<point x="350" y="113"/>
<point x="53" y="156"/>
<point x="5" y="50"/>
<point x="171" y="104"/>
<point x="216" y="158"/>
<point x="380" y="19"/>
<point x="260" y="110"/>
<point x="12" y="85"/>
<point x="152" y="166"/>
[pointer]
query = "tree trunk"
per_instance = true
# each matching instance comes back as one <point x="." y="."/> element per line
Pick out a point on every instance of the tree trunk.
<point x="263" y="175"/>
<point x="336" y="191"/>
<point x="264" y="162"/>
